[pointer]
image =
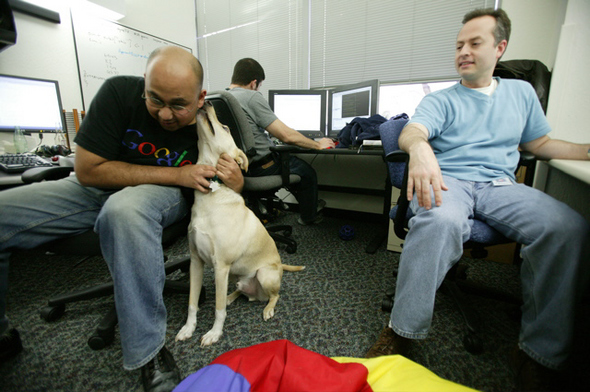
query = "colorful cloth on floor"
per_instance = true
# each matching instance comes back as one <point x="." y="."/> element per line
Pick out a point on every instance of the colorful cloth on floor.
<point x="283" y="366"/>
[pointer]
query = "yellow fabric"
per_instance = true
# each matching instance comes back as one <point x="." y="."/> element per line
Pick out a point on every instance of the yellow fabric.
<point x="397" y="373"/>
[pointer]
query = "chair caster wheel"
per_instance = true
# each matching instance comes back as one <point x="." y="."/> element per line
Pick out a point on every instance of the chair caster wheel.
<point x="473" y="343"/>
<point x="101" y="339"/>
<point x="52" y="313"/>
<point x="387" y="303"/>
<point x="291" y="249"/>
<point x="390" y="292"/>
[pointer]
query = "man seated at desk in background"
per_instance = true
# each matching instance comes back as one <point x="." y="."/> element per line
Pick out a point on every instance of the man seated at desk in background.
<point x="127" y="194"/>
<point x="245" y="82"/>
<point x="463" y="145"/>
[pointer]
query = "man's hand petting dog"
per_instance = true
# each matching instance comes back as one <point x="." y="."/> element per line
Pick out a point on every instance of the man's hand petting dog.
<point x="198" y="176"/>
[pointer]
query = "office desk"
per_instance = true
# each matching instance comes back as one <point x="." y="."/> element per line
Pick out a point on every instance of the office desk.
<point x="350" y="179"/>
<point x="569" y="182"/>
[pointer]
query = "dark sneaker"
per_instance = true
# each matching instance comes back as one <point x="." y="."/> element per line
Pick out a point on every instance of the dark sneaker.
<point x="161" y="373"/>
<point x="10" y="345"/>
<point x="389" y="343"/>
<point x="318" y="218"/>
<point x="531" y="375"/>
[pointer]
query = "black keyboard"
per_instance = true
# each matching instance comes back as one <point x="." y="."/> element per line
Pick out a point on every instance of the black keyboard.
<point x="18" y="163"/>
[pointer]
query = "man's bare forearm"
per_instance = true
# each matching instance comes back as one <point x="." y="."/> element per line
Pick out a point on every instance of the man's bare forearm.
<point x="546" y="148"/>
<point x="116" y="174"/>
<point x="412" y="136"/>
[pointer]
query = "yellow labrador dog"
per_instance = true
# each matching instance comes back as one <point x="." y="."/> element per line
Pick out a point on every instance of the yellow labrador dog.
<point x="226" y="234"/>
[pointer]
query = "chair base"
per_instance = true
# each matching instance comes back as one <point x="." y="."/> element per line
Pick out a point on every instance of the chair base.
<point x="282" y="234"/>
<point x="105" y="332"/>
<point x="264" y="209"/>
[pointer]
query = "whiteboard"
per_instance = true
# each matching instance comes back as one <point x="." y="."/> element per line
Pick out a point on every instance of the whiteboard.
<point x="105" y="49"/>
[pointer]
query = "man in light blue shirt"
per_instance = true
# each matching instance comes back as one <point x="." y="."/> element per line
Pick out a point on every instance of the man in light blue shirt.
<point x="463" y="145"/>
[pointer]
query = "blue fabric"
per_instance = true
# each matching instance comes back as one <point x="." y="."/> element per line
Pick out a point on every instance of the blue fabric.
<point x="475" y="136"/>
<point x="214" y="378"/>
<point x="389" y="132"/>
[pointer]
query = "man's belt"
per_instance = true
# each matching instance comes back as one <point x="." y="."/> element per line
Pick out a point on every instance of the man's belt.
<point x="265" y="162"/>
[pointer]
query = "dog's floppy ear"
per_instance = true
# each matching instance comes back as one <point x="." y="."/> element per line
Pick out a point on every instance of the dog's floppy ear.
<point x="241" y="159"/>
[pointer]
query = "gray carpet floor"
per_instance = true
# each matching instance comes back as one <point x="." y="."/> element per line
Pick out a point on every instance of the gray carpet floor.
<point x="332" y="308"/>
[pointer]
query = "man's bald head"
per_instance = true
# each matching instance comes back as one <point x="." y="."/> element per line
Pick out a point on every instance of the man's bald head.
<point x="176" y="57"/>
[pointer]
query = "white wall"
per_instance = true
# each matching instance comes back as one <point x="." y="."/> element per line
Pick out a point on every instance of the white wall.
<point x="569" y="100"/>
<point x="535" y="29"/>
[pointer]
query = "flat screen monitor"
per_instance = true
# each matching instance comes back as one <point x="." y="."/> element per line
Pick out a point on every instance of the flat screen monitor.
<point x="32" y="104"/>
<point x="400" y="98"/>
<point x="302" y="110"/>
<point x="350" y="101"/>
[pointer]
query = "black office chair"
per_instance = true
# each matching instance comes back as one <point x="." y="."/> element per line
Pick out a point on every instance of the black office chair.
<point x="87" y="245"/>
<point x="230" y="113"/>
<point x="482" y="235"/>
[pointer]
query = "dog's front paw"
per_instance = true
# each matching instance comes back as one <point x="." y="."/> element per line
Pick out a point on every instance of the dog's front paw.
<point x="210" y="337"/>
<point x="268" y="312"/>
<point x="186" y="332"/>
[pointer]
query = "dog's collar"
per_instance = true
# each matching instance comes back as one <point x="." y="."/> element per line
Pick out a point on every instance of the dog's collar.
<point x="214" y="183"/>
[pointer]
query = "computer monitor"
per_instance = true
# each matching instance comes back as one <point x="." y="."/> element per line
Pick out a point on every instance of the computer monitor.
<point x="400" y="98"/>
<point x="32" y="104"/>
<point x="350" y="101"/>
<point x="302" y="110"/>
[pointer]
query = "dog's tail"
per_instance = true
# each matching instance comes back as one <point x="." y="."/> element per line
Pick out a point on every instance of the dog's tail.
<point x="292" y="267"/>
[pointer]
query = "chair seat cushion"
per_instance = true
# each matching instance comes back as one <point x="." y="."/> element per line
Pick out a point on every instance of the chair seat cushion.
<point x="265" y="183"/>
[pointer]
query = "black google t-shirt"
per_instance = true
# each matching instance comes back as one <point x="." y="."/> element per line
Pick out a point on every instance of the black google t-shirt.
<point x="118" y="127"/>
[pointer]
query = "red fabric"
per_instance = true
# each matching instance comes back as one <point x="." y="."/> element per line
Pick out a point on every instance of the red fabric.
<point x="285" y="367"/>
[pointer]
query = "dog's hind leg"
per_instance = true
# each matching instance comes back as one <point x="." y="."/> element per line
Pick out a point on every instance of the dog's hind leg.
<point x="270" y="283"/>
<point x="196" y="282"/>
<point x="221" y="283"/>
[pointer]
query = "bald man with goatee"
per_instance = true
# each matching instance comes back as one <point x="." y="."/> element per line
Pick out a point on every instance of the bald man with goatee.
<point x="135" y="173"/>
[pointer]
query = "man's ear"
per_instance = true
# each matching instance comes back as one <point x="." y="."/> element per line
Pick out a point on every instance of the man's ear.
<point x="501" y="48"/>
<point x="201" y="99"/>
<point x="252" y="85"/>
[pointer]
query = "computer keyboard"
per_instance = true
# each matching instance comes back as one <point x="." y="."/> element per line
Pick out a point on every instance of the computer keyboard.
<point x="18" y="163"/>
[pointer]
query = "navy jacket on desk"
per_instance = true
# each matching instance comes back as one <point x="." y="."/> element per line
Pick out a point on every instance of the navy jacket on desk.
<point x="360" y="129"/>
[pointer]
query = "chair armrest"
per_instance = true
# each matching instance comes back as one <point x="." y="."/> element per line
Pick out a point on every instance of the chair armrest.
<point x="397" y="156"/>
<point x="286" y="149"/>
<point x="403" y="204"/>
<point x="284" y="156"/>
<point x="38" y="174"/>
<point x="529" y="161"/>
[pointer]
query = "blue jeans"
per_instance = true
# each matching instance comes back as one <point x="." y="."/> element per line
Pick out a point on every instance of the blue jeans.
<point x="306" y="192"/>
<point x="129" y="222"/>
<point x="554" y="272"/>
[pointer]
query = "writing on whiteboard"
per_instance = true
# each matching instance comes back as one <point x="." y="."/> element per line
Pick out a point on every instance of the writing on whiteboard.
<point x="106" y="49"/>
